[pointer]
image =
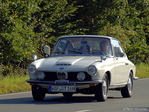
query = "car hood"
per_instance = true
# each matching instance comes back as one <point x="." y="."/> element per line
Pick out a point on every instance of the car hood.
<point x="68" y="63"/>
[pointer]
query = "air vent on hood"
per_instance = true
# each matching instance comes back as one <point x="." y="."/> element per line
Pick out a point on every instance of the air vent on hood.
<point x="63" y="64"/>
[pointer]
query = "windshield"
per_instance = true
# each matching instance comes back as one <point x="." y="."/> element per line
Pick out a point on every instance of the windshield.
<point x="83" y="46"/>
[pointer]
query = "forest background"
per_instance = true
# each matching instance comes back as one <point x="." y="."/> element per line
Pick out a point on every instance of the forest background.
<point x="27" y="25"/>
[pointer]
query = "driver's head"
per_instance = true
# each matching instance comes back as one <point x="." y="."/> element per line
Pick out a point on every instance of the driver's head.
<point x="104" y="47"/>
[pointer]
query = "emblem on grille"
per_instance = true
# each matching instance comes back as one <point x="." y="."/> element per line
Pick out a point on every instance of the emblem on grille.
<point x="62" y="75"/>
<point x="61" y="68"/>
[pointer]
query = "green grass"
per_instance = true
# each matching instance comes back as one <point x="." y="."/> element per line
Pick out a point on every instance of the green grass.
<point x="142" y="70"/>
<point x="11" y="84"/>
<point x="17" y="83"/>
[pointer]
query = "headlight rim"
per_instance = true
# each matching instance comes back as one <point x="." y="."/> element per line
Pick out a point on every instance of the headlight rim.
<point x="82" y="76"/>
<point x="32" y="75"/>
<point x="89" y="72"/>
<point x="40" y="75"/>
<point x="34" y="69"/>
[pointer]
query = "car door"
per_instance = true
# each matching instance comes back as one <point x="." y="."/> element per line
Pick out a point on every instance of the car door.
<point x="121" y="65"/>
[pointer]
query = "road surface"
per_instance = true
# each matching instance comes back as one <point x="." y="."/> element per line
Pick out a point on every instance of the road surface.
<point x="23" y="102"/>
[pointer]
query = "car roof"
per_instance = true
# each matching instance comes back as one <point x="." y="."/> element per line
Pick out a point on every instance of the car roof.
<point x="97" y="36"/>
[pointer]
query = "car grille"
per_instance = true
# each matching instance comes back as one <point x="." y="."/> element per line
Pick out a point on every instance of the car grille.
<point x="72" y="76"/>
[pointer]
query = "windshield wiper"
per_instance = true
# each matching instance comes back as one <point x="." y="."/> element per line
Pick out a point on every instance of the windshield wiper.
<point x="59" y="52"/>
<point x="75" y="51"/>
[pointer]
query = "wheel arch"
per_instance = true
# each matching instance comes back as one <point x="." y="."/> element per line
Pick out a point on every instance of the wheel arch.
<point x="132" y="73"/>
<point x="109" y="76"/>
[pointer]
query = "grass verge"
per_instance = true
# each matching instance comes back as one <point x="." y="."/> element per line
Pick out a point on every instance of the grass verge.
<point x="142" y="70"/>
<point x="11" y="84"/>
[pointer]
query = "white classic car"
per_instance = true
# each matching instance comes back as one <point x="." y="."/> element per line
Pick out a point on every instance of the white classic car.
<point x="86" y="64"/>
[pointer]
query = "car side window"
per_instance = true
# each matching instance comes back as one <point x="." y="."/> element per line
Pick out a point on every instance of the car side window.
<point x="118" y="51"/>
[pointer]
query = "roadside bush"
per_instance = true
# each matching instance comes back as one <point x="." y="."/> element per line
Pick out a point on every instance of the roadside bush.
<point x="10" y="70"/>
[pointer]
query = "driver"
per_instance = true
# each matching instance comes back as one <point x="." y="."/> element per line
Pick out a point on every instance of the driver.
<point x="104" y="48"/>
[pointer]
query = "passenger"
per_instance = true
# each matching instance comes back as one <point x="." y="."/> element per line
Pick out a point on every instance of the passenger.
<point x="85" y="48"/>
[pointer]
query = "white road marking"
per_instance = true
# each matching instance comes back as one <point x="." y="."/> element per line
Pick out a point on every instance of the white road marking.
<point x="83" y="111"/>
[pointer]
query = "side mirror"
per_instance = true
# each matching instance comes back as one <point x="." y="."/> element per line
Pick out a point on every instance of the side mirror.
<point x="34" y="56"/>
<point x="103" y="57"/>
<point x="121" y="54"/>
<point x="46" y="50"/>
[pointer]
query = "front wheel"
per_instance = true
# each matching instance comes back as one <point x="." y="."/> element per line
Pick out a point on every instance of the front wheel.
<point x="101" y="90"/>
<point x="127" y="90"/>
<point x="38" y="93"/>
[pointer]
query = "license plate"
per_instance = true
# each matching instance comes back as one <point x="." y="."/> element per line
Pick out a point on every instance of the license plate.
<point x="62" y="88"/>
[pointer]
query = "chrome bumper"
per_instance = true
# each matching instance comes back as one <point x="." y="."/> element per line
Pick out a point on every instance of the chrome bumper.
<point x="80" y="85"/>
<point x="135" y="78"/>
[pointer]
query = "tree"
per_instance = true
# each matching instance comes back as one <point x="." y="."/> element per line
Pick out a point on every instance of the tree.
<point x="17" y="39"/>
<point x="27" y="25"/>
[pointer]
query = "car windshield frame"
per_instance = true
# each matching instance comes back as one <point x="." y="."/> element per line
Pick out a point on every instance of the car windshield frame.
<point x="75" y="46"/>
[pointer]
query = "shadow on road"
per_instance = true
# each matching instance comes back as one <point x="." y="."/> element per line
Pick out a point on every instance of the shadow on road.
<point x="53" y="100"/>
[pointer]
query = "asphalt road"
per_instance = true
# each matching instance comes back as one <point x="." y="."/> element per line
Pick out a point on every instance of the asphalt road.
<point x="23" y="102"/>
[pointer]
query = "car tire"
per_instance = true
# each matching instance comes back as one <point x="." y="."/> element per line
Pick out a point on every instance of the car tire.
<point x="67" y="94"/>
<point x="38" y="93"/>
<point x="127" y="90"/>
<point x="101" y="90"/>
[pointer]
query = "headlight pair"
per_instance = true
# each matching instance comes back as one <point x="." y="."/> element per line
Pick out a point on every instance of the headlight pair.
<point x="91" y="70"/>
<point x="34" y="74"/>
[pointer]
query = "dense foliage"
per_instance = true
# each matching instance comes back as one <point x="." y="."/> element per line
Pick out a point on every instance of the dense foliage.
<point x="26" y="25"/>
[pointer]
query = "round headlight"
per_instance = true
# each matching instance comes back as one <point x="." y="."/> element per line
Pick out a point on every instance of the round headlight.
<point x="92" y="70"/>
<point x="81" y="76"/>
<point x="32" y="71"/>
<point x="40" y="75"/>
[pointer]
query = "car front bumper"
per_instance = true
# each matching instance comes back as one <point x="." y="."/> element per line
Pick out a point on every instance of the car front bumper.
<point x="78" y="84"/>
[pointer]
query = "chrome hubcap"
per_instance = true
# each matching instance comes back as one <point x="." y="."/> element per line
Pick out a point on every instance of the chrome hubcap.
<point x="129" y="84"/>
<point x="104" y="88"/>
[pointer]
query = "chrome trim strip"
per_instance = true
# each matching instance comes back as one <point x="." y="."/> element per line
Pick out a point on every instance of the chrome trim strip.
<point x="53" y="82"/>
